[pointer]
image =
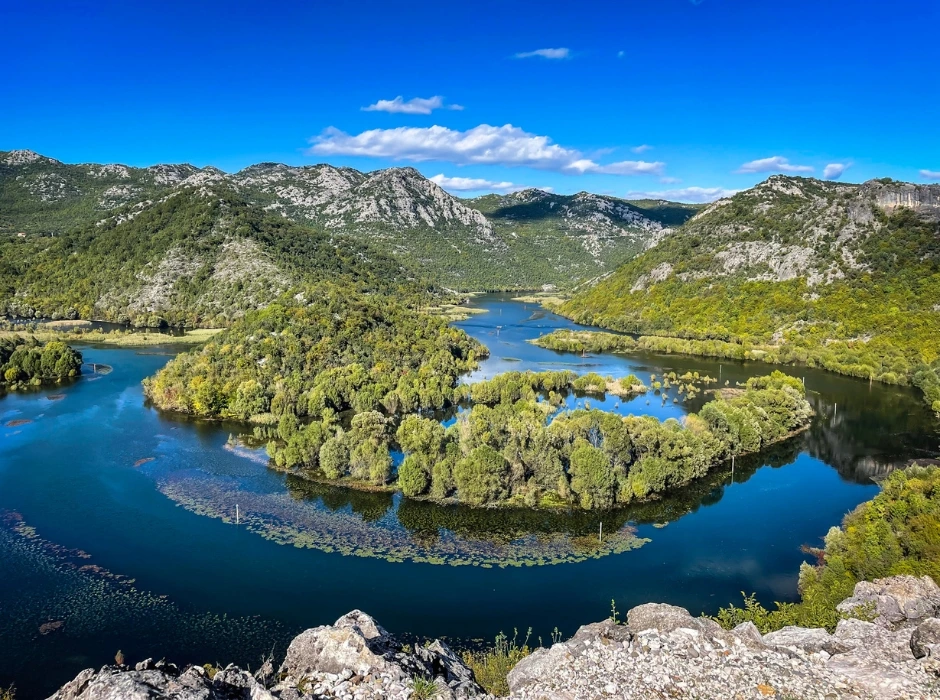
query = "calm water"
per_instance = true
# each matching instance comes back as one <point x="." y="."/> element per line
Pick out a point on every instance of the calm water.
<point x="120" y="523"/>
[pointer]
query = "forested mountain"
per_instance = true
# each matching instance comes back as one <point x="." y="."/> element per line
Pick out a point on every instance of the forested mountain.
<point x="199" y="256"/>
<point x="517" y="241"/>
<point x="584" y="234"/>
<point x="844" y="276"/>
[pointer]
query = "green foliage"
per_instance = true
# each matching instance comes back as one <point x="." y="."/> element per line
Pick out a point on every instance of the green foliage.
<point x="897" y="532"/>
<point x="482" y="476"/>
<point x="27" y="362"/>
<point x="874" y="317"/>
<point x="198" y="258"/>
<point x="507" y="452"/>
<point x="340" y="350"/>
<point x="492" y="666"/>
<point x="424" y="688"/>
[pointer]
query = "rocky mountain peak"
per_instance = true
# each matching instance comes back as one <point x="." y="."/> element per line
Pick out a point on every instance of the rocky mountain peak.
<point x="24" y="157"/>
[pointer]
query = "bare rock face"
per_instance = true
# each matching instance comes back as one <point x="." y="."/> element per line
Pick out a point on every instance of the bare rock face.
<point x="926" y="639"/>
<point x="661" y="652"/>
<point x="809" y="640"/>
<point x="358" y="647"/>
<point x="121" y="683"/>
<point x="355" y="658"/>
<point x="895" y="600"/>
<point x="664" y="652"/>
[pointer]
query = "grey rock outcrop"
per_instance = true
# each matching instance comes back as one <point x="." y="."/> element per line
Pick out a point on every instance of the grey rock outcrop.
<point x="355" y="659"/>
<point x="925" y="641"/>
<point x="121" y="683"/>
<point x="663" y="651"/>
<point x="894" y="600"/>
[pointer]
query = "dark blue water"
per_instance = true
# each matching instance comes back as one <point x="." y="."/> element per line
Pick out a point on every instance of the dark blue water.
<point x="149" y="500"/>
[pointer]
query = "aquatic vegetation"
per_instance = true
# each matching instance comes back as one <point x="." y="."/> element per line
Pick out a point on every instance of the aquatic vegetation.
<point x="380" y="525"/>
<point x="51" y="582"/>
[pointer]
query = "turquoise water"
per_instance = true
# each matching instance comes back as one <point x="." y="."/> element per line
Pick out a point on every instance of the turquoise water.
<point x="120" y="522"/>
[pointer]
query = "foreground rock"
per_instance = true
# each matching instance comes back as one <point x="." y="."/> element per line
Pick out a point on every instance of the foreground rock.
<point x="661" y="652"/>
<point x="664" y="652"/>
<point x="354" y="659"/>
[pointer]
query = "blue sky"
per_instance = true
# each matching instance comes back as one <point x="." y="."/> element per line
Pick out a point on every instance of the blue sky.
<point x="659" y="96"/>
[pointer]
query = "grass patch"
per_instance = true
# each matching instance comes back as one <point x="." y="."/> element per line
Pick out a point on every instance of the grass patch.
<point x="491" y="666"/>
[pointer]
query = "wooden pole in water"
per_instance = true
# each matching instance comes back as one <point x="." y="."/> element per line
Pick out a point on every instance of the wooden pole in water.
<point x="600" y="532"/>
<point x="732" y="469"/>
<point x="236" y="514"/>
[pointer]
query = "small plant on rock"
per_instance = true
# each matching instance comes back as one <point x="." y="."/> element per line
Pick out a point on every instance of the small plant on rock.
<point x="424" y="688"/>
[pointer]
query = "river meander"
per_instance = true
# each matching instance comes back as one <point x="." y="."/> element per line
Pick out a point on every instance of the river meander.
<point x="119" y="522"/>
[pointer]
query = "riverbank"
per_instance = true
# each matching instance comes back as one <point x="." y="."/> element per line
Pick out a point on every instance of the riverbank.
<point x="128" y="338"/>
<point x="925" y="378"/>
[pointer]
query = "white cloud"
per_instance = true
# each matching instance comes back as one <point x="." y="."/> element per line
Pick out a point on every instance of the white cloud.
<point x="774" y="164"/>
<point x="834" y="171"/>
<point x="670" y="180"/>
<point x="546" y="53"/>
<point x="473" y="184"/>
<point x="930" y="174"/>
<point x="695" y="195"/>
<point x="643" y="148"/>
<point x="482" y="145"/>
<point x="416" y="105"/>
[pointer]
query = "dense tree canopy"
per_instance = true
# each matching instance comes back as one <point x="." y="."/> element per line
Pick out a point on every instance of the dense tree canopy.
<point x="27" y="362"/>
<point x="512" y="448"/>
<point x="326" y="349"/>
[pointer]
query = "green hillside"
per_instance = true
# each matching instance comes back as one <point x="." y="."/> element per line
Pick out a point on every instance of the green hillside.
<point x="518" y="241"/>
<point x="794" y="270"/>
<point x="200" y="257"/>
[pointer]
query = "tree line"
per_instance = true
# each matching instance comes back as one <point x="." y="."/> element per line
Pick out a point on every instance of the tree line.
<point x="512" y="448"/>
<point x="27" y="362"/>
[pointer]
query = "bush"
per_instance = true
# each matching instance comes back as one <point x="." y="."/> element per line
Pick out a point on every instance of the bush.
<point x="897" y="532"/>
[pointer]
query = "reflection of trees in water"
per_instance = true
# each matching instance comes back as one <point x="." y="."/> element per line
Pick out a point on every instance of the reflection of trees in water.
<point x="710" y="488"/>
<point x="866" y="435"/>
<point x="370" y="505"/>
<point x="505" y="524"/>
<point x="425" y="520"/>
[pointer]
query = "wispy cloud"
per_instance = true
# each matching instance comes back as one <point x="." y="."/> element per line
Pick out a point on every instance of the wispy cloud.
<point x="670" y="180"/>
<point x="621" y="54"/>
<point x="834" y="171"/>
<point x="642" y="148"/>
<point x="473" y="184"/>
<point x="416" y="105"/>
<point x="545" y="53"/>
<point x="774" y="164"/>
<point x="696" y="195"/>
<point x="930" y="174"/>
<point x="482" y="145"/>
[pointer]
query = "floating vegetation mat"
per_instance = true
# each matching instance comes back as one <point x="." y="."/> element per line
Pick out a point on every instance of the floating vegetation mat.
<point x="59" y="605"/>
<point x="387" y="526"/>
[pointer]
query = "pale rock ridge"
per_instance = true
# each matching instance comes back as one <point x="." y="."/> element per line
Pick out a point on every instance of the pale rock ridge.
<point x="25" y="157"/>
<point x="789" y="227"/>
<point x="354" y="659"/>
<point x="664" y="652"/>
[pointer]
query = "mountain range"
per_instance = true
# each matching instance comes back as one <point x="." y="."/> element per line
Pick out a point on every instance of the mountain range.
<point x="522" y="240"/>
